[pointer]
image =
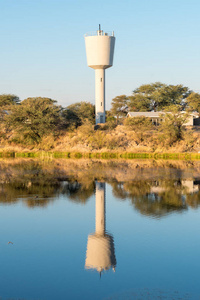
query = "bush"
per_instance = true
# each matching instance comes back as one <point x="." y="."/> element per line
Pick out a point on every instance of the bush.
<point x="97" y="140"/>
<point x="139" y="125"/>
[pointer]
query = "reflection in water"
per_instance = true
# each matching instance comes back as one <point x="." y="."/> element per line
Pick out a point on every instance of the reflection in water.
<point x="153" y="190"/>
<point x="191" y="186"/>
<point x="100" y="253"/>
<point x="158" y="198"/>
<point x="166" y="252"/>
<point x="35" y="192"/>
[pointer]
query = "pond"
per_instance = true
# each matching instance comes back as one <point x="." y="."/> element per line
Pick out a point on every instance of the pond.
<point x="99" y="229"/>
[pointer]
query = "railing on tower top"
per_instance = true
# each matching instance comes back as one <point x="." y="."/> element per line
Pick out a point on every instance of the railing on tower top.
<point x="100" y="32"/>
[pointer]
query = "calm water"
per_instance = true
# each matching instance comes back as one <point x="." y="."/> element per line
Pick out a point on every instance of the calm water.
<point x="72" y="230"/>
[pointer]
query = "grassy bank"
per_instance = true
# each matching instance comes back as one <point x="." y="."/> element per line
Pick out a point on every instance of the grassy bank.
<point x="119" y="142"/>
<point x="100" y="155"/>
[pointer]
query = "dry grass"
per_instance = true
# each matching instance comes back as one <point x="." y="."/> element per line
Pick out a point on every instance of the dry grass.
<point x="121" y="139"/>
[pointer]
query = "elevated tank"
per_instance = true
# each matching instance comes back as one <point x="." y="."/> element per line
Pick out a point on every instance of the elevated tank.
<point x="100" y="254"/>
<point x="100" y="51"/>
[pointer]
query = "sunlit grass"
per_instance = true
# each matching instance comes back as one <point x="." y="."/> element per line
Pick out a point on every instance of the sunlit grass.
<point x="101" y="155"/>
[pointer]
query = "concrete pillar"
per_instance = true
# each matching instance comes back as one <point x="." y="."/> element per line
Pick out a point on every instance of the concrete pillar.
<point x="100" y="208"/>
<point x="100" y="96"/>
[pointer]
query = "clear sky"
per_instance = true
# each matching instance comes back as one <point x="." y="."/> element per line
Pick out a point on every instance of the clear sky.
<point x="42" y="50"/>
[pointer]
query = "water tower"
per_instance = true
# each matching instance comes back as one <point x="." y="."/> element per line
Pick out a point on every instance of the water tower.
<point x="100" y="253"/>
<point x="100" y="51"/>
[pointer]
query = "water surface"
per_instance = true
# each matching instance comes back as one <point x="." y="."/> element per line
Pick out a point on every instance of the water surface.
<point x="97" y="230"/>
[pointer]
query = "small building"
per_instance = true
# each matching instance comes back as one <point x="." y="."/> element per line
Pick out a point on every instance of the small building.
<point x="153" y="115"/>
<point x="157" y="117"/>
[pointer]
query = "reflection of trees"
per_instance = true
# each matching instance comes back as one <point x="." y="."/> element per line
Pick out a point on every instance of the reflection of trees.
<point x="158" y="198"/>
<point x="37" y="202"/>
<point x="79" y="192"/>
<point x="36" y="194"/>
<point x="158" y="207"/>
<point x="37" y="185"/>
<point x="40" y="193"/>
<point x="118" y="190"/>
<point x="137" y="188"/>
<point x="153" y="190"/>
<point x="28" y="181"/>
<point x="169" y="198"/>
<point x="6" y="195"/>
<point x="193" y="200"/>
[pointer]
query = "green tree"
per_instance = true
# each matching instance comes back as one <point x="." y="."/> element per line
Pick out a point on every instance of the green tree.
<point x="145" y="97"/>
<point x="157" y="96"/>
<point x="110" y="122"/>
<point x="119" y="107"/>
<point x="8" y="99"/>
<point x="172" y="126"/>
<point x="76" y="114"/>
<point x="34" y="119"/>
<point x="193" y="102"/>
<point x="109" y="116"/>
<point x="173" y="95"/>
<point x="71" y="118"/>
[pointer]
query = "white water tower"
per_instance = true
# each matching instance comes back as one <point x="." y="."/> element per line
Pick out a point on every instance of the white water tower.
<point x="100" y="51"/>
<point x="100" y="254"/>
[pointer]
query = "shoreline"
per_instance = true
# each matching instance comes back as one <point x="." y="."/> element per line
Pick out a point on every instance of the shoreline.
<point x="100" y="155"/>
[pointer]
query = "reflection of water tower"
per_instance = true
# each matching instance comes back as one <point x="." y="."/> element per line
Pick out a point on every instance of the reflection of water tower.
<point x="100" y="51"/>
<point x="100" y="253"/>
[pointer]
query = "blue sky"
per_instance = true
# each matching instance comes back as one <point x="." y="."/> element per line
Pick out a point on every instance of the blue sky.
<point x="42" y="50"/>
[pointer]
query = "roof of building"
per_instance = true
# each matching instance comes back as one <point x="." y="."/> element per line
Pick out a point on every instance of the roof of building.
<point x="154" y="114"/>
<point x="149" y="114"/>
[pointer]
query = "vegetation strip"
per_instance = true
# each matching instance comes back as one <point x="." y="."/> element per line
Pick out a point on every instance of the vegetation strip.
<point x="100" y="155"/>
<point x="156" y="118"/>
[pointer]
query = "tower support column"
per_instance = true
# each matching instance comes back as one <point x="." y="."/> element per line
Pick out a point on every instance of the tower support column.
<point x="100" y="96"/>
<point x="100" y="208"/>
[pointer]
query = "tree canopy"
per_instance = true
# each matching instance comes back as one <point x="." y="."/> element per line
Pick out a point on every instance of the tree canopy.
<point x="35" y="118"/>
<point x="76" y="114"/>
<point x="157" y="96"/>
<point x="193" y="102"/>
<point x="119" y="107"/>
<point x="172" y="126"/>
<point x="8" y="99"/>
